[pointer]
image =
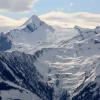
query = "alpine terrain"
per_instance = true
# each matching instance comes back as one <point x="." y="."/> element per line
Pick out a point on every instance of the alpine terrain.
<point x="43" y="62"/>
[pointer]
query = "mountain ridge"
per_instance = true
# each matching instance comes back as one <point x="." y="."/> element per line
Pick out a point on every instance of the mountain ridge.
<point x="57" y="65"/>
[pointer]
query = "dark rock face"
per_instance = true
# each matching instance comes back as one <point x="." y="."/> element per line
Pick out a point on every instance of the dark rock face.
<point x="4" y="86"/>
<point x="5" y="43"/>
<point x="31" y="27"/>
<point x="65" y="96"/>
<point x="89" y="92"/>
<point x="19" y="68"/>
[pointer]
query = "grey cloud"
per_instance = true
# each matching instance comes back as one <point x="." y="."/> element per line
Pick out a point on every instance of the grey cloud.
<point x="16" y="5"/>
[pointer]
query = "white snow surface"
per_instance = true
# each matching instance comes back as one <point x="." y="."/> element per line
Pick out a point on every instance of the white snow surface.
<point x="15" y="94"/>
<point x="72" y="64"/>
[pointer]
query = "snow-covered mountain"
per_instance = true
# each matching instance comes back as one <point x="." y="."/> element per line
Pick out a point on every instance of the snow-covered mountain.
<point x="32" y="33"/>
<point x="50" y="63"/>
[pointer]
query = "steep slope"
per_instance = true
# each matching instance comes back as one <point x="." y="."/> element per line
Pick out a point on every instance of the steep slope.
<point x="5" y="43"/>
<point x="90" y="88"/>
<point x="18" y="68"/>
<point x="14" y="92"/>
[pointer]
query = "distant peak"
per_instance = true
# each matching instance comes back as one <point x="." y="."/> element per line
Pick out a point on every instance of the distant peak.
<point x="32" y="23"/>
<point x="34" y="19"/>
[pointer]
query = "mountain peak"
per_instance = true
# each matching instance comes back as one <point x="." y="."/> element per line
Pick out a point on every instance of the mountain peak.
<point x="34" y="17"/>
<point x="32" y="23"/>
<point x="33" y="20"/>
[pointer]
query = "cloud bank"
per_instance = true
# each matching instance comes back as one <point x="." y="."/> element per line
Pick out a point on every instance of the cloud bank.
<point x="7" y="23"/>
<point x="60" y="19"/>
<point x="64" y="20"/>
<point x="16" y="5"/>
